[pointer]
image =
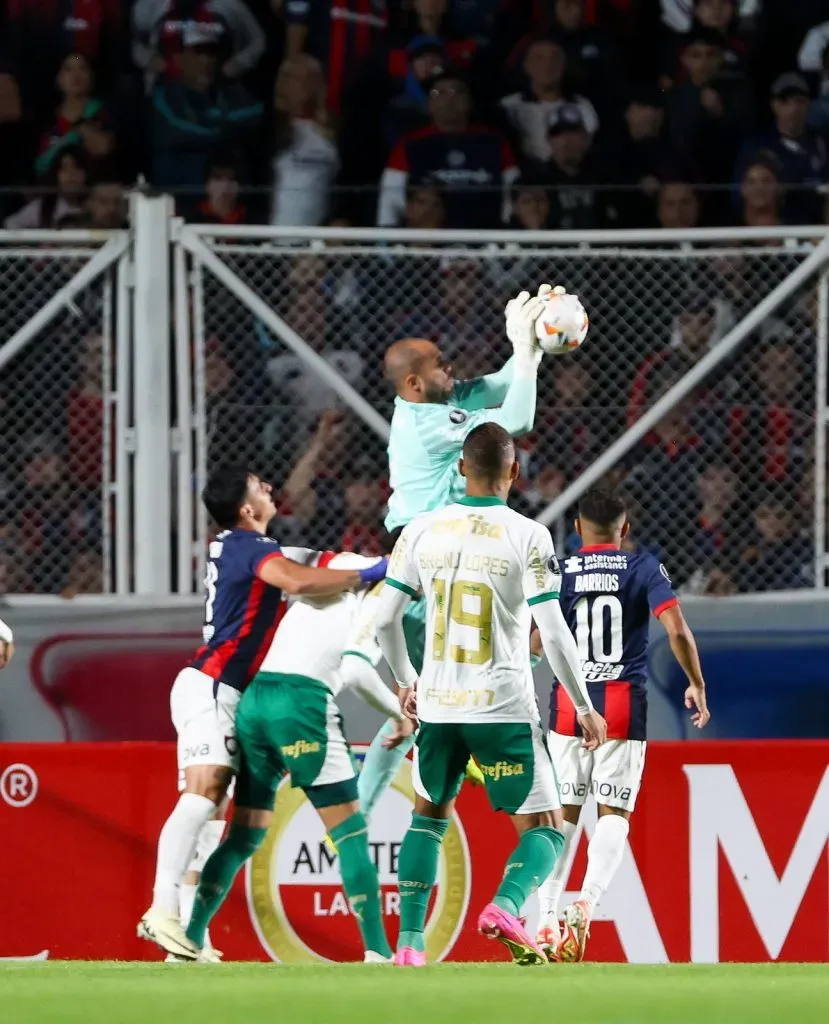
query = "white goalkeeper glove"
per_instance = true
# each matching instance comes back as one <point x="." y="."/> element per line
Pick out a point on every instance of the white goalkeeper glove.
<point x="521" y="314"/>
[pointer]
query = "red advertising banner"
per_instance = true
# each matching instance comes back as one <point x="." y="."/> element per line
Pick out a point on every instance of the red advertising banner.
<point x="727" y="861"/>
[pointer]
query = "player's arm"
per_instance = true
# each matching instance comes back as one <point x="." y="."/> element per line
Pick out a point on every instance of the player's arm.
<point x="401" y="586"/>
<point x="686" y="653"/>
<point x="362" y="677"/>
<point x="306" y="581"/>
<point x="6" y="644"/>
<point x="484" y="392"/>
<point x="541" y="583"/>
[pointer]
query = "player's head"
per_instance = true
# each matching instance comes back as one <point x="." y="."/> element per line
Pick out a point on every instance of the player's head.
<point x="488" y="461"/>
<point x="602" y="517"/>
<point x="418" y="371"/>
<point x="234" y="496"/>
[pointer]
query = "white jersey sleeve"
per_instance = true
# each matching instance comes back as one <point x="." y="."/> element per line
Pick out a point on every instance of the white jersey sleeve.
<point x="402" y="573"/>
<point x="541" y="580"/>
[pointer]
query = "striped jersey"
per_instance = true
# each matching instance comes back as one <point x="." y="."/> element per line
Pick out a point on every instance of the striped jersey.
<point x="607" y="597"/>
<point x="241" y="612"/>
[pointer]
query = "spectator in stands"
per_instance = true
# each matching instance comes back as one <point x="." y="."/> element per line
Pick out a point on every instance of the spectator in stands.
<point x="40" y="36"/>
<point x="160" y="28"/>
<point x="801" y="152"/>
<point x="221" y="203"/>
<point x="570" y="174"/>
<point x="638" y="152"/>
<point x="528" y="113"/>
<point x="408" y="111"/>
<point x="365" y="497"/>
<point x="308" y="309"/>
<point x="460" y="321"/>
<point x="702" y="322"/>
<point x="341" y="36"/>
<point x="81" y="121"/>
<point x="663" y="476"/>
<point x="15" y="144"/>
<point x="66" y="187"/>
<point x="591" y="56"/>
<point x="709" y="111"/>
<point x="430" y="19"/>
<point x="778" y="557"/>
<point x="716" y="16"/>
<point x="569" y="433"/>
<point x="530" y="206"/>
<point x="474" y="164"/>
<point x="195" y="114"/>
<point x="305" y="161"/>
<point x="424" y="208"/>
<point x="770" y="437"/>
<point x="818" y="119"/>
<point x="719" y="520"/>
<point x="106" y="205"/>
<point x="312" y="496"/>
<point x="677" y="205"/>
<point x="760" y="192"/>
<point x="42" y="505"/>
<point x="812" y="56"/>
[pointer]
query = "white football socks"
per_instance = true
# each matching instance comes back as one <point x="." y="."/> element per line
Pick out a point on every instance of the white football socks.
<point x="549" y="892"/>
<point x="176" y="846"/>
<point x="604" y="855"/>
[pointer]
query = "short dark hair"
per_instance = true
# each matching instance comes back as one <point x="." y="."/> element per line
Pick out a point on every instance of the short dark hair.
<point x="225" y="492"/>
<point x="488" y="450"/>
<point x="602" y="507"/>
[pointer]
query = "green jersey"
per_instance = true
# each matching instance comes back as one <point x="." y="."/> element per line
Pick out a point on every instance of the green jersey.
<point x="427" y="438"/>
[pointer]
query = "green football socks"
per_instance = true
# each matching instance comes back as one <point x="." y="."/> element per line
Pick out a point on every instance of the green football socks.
<point x="531" y="862"/>
<point x="218" y="874"/>
<point x="360" y="882"/>
<point x="417" y="870"/>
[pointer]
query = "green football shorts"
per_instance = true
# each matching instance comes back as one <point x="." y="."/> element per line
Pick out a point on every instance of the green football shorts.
<point x="290" y="724"/>
<point x="513" y="756"/>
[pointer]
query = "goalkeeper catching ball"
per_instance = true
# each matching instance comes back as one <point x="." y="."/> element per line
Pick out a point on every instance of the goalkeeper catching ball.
<point x="433" y="414"/>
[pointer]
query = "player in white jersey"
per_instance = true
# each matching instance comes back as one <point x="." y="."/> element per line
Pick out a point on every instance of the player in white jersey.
<point x="486" y="572"/>
<point x="288" y="722"/>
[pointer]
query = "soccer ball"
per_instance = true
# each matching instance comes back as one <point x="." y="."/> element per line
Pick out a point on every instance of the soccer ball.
<point x="562" y="327"/>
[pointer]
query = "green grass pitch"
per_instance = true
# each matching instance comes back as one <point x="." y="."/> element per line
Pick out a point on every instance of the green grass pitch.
<point x="122" y="993"/>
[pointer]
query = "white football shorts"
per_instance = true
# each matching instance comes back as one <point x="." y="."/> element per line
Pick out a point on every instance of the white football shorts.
<point x="205" y="724"/>
<point x="612" y="773"/>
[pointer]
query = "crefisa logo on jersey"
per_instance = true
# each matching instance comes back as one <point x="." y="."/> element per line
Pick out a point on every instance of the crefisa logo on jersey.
<point x="295" y="896"/>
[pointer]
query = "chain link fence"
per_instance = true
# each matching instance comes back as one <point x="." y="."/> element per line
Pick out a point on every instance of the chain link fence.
<point x="53" y="443"/>
<point x="723" y="488"/>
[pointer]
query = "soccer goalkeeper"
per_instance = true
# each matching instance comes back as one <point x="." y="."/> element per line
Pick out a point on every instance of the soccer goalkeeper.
<point x="433" y="414"/>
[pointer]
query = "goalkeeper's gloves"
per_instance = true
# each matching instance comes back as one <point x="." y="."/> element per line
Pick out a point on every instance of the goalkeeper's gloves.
<point x="521" y="314"/>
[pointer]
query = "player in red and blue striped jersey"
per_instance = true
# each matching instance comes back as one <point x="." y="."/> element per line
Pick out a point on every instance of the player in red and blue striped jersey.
<point x="608" y="595"/>
<point x="247" y="574"/>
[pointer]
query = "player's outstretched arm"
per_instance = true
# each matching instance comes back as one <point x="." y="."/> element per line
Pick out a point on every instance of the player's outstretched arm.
<point x="364" y="679"/>
<point x="563" y="656"/>
<point x="685" y="651"/>
<point x="304" y="581"/>
<point x="390" y="635"/>
<point x="6" y="644"/>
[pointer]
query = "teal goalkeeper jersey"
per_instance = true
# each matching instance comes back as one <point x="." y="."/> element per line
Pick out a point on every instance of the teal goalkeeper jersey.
<point x="427" y="438"/>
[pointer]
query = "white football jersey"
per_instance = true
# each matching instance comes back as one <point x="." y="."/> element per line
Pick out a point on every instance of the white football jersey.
<point x="481" y="566"/>
<point x="315" y="633"/>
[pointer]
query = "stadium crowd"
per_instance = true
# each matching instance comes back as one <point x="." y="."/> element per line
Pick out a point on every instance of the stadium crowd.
<point x="536" y="114"/>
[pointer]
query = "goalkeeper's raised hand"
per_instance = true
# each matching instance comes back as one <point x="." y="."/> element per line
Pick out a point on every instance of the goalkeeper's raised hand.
<point x="521" y="314"/>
